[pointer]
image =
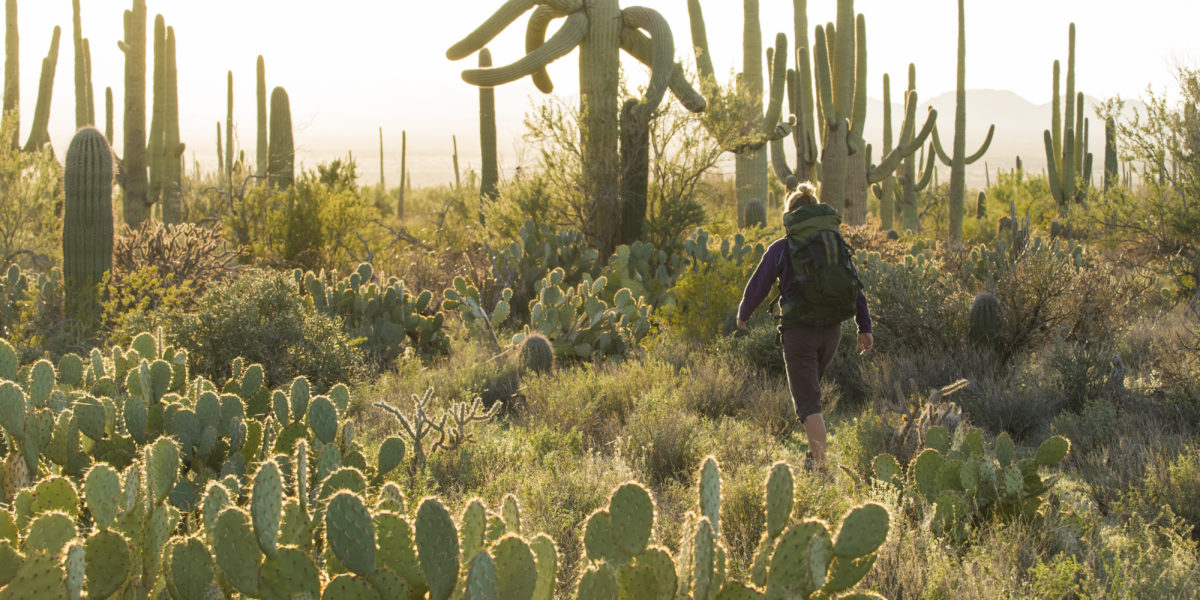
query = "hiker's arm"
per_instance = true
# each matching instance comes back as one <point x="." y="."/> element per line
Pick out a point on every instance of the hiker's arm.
<point x="862" y="315"/>
<point x="760" y="283"/>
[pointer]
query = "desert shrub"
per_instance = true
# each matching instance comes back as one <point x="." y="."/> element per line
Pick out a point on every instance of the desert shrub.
<point x="661" y="441"/>
<point x="714" y="386"/>
<point x="1018" y="403"/>
<point x="757" y="347"/>
<point x="142" y="300"/>
<point x="705" y="298"/>
<point x="1079" y="372"/>
<point x="1090" y="427"/>
<point x="261" y="317"/>
<point x="31" y="185"/>
<point x="33" y="317"/>
<point x="180" y="253"/>
<point x="914" y="304"/>
<point x="742" y="514"/>
<point x="1174" y="483"/>
<point x="592" y="399"/>
<point x="861" y="439"/>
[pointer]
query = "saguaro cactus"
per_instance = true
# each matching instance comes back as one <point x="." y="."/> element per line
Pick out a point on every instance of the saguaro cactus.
<point x="136" y="207"/>
<point x="12" y="67"/>
<point x="108" y="114"/>
<point x="753" y="130"/>
<point x="490" y="168"/>
<point x="172" y="148"/>
<point x="600" y="28"/>
<point x="910" y="184"/>
<point x="39" y="134"/>
<point x="959" y="160"/>
<point x="155" y="140"/>
<point x="802" y="104"/>
<point x="635" y="171"/>
<point x="229" y="129"/>
<point x="1067" y="158"/>
<point x="83" y="115"/>
<point x="1111" y="166"/>
<point x="87" y="211"/>
<point x="260" y="164"/>
<point x="403" y="174"/>
<point x="282" y="170"/>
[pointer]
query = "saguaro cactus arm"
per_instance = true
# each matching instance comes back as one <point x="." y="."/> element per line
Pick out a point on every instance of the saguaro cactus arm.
<point x="561" y="43"/>
<point x="892" y="159"/>
<point x="946" y="158"/>
<point x="641" y="47"/>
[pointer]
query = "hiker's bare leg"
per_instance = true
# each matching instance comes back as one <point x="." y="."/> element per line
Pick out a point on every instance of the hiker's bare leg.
<point x="814" y="426"/>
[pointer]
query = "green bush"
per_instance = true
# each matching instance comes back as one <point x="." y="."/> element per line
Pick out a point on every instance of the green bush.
<point x="1174" y="483"/>
<point x="704" y="299"/>
<point x="661" y="441"/>
<point x="263" y="319"/>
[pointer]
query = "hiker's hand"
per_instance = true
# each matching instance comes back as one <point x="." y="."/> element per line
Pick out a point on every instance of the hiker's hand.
<point x="741" y="325"/>
<point x="865" y="342"/>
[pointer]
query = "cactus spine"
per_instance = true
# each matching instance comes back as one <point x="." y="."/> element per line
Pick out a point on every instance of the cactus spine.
<point x="489" y="169"/>
<point x="136" y="208"/>
<point x="282" y="172"/>
<point x="1067" y="158"/>
<point x="260" y="164"/>
<point x="87" y="211"/>
<point x="600" y="29"/>
<point x="12" y="68"/>
<point x="39" y="134"/>
<point x="959" y="160"/>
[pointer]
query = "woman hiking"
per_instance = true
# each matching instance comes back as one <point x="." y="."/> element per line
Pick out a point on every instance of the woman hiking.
<point x="819" y="289"/>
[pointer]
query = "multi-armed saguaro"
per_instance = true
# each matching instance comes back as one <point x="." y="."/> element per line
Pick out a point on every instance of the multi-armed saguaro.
<point x="752" y="130"/>
<point x="959" y="160"/>
<point x="600" y="29"/>
<point x="1067" y="158"/>
<point x="910" y="184"/>
<point x="802" y="104"/>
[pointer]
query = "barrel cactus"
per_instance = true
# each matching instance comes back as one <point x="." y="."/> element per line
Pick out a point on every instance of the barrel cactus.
<point x="87" y="211"/>
<point x="986" y="320"/>
<point x="537" y="354"/>
<point x="756" y="214"/>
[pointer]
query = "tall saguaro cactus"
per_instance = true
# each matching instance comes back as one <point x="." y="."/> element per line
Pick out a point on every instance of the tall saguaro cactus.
<point x="87" y="212"/>
<point x="260" y="164"/>
<point x="12" y="67"/>
<point x="753" y="130"/>
<point x="108" y="115"/>
<point x="600" y="29"/>
<point x="229" y="130"/>
<point x="1111" y="165"/>
<point x="490" y="167"/>
<point x="136" y="207"/>
<point x="959" y="160"/>
<point x="172" y="148"/>
<point x="801" y="104"/>
<point x="156" y="139"/>
<point x="1067" y="158"/>
<point x="910" y="184"/>
<point x="403" y="174"/>
<point x="281" y="169"/>
<point x="39" y="134"/>
<point x="82" y="114"/>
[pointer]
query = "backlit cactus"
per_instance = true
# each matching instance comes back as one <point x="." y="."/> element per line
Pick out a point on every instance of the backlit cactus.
<point x="536" y="355"/>
<point x="87" y="212"/>
<point x="958" y="159"/>
<point x="12" y="67"/>
<point x="281" y="169"/>
<point x="601" y="29"/>
<point x="986" y="321"/>
<point x="1068" y="162"/>
<point x="756" y="214"/>
<point x="135" y="201"/>
<point x="489" y="170"/>
<point x="39" y="133"/>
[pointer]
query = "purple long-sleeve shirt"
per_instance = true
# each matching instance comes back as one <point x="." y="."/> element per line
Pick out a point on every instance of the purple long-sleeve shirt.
<point x="772" y="269"/>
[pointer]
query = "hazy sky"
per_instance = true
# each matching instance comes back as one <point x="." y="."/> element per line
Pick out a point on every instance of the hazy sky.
<point x="353" y="66"/>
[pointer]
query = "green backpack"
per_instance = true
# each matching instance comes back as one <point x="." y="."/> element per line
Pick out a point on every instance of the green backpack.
<point x="825" y="286"/>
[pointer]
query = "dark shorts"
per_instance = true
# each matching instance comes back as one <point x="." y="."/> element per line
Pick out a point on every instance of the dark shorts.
<point x="807" y="351"/>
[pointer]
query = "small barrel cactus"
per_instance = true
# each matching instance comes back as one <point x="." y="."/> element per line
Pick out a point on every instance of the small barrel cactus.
<point x="87" y="210"/>
<point x="986" y="320"/>
<point x="536" y="354"/>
